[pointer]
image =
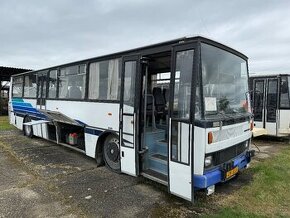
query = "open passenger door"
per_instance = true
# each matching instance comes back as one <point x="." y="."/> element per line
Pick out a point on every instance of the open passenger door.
<point x="129" y="111"/>
<point x="181" y="117"/>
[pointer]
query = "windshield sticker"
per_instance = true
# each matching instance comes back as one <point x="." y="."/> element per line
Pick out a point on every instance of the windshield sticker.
<point x="210" y="104"/>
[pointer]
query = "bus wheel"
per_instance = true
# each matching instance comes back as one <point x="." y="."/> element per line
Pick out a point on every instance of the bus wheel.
<point x="28" y="131"/>
<point x="111" y="153"/>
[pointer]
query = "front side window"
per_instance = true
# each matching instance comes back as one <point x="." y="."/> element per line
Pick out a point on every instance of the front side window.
<point x="72" y="82"/>
<point x="30" y="85"/>
<point x="182" y="85"/>
<point x="17" y="86"/>
<point x="104" y="80"/>
<point x="285" y="95"/>
<point x="129" y="82"/>
<point x="224" y="78"/>
<point x="181" y="106"/>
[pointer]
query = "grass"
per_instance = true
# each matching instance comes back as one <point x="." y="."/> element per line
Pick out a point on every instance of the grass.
<point x="4" y="123"/>
<point x="268" y="195"/>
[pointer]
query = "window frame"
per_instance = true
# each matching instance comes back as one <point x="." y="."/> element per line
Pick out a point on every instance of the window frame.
<point x="191" y="119"/>
<point x="78" y="73"/>
<point x="88" y="79"/>
<point x="22" y="92"/>
<point x="226" y="49"/>
<point x="48" y="76"/>
<point x="28" y="74"/>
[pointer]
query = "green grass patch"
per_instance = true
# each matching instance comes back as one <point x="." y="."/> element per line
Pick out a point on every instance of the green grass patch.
<point x="4" y="123"/>
<point x="234" y="212"/>
<point x="268" y="195"/>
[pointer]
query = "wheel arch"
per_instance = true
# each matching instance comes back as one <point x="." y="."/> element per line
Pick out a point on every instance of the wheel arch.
<point x="100" y="144"/>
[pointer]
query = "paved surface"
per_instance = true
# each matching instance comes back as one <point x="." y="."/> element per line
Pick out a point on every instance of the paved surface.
<point x="42" y="179"/>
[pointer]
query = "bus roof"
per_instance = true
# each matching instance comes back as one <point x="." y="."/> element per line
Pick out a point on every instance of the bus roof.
<point x="148" y="48"/>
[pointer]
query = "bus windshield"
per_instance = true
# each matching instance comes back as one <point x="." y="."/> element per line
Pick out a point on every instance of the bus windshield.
<point x="224" y="78"/>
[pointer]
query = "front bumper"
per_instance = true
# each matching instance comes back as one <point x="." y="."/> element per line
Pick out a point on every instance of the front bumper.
<point x="215" y="176"/>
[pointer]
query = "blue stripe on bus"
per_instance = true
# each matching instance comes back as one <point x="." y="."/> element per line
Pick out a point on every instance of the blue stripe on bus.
<point x="38" y="115"/>
<point x="21" y="104"/>
<point x="25" y="108"/>
<point x="17" y="99"/>
<point x="29" y="110"/>
<point x="33" y="116"/>
<point x="93" y="131"/>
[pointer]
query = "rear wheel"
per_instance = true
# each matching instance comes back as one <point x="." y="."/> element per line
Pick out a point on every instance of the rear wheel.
<point x="111" y="153"/>
<point x="27" y="129"/>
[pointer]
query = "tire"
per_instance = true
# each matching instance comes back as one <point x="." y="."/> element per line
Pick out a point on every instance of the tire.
<point x="111" y="153"/>
<point x="27" y="130"/>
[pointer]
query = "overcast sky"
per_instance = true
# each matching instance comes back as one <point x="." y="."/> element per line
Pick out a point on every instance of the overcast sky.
<point x="37" y="34"/>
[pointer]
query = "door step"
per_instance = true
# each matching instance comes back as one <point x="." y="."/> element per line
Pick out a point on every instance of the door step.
<point x="155" y="176"/>
<point x="159" y="157"/>
<point x="158" y="148"/>
<point x="158" y="163"/>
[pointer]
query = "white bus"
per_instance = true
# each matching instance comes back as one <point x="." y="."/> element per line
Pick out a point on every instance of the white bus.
<point x="176" y="112"/>
<point x="271" y="104"/>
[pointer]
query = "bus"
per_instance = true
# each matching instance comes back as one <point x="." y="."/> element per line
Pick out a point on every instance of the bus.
<point x="177" y="112"/>
<point x="271" y="104"/>
<point x="4" y="100"/>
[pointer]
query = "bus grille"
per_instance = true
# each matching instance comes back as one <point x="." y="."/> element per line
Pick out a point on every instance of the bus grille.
<point x="227" y="154"/>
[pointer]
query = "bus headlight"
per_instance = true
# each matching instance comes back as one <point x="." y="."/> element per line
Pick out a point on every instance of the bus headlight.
<point x="208" y="161"/>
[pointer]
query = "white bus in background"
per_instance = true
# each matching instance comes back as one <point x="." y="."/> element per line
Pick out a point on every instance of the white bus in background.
<point x="175" y="112"/>
<point x="271" y="104"/>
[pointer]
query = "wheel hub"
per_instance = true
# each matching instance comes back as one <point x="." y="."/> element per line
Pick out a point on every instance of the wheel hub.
<point x="113" y="151"/>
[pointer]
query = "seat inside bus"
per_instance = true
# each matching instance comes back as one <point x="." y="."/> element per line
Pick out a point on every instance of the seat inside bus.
<point x="156" y="123"/>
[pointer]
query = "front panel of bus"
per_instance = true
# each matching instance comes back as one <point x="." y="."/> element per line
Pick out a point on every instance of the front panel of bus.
<point x="222" y="119"/>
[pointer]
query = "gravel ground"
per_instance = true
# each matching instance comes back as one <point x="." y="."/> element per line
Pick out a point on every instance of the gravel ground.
<point x="41" y="179"/>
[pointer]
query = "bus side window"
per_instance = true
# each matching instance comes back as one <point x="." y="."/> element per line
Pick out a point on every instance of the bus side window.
<point x="182" y="87"/>
<point x="52" y="84"/>
<point x="72" y="82"/>
<point x="17" y="86"/>
<point x="104" y="80"/>
<point x="30" y="86"/>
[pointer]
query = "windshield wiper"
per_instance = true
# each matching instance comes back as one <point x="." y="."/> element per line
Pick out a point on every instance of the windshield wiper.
<point x="221" y="115"/>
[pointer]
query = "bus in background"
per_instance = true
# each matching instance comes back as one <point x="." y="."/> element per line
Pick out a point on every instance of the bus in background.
<point x="4" y="98"/>
<point x="271" y="104"/>
<point x="176" y="112"/>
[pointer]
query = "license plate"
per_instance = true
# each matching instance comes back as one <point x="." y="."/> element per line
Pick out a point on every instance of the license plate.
<point x="232" y="172"/>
